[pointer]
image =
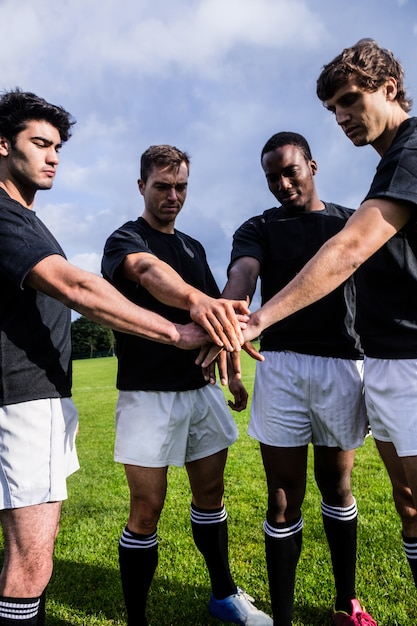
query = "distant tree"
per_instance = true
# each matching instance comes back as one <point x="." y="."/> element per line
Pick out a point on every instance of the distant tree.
<point x="89" y="338"/>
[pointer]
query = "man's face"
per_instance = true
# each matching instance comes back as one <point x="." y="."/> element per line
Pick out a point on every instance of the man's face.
<point x="290" y="177"/>
<point x="362" y="115"/>
<point x="164" y="194"/>
<point x="31" y="163"/>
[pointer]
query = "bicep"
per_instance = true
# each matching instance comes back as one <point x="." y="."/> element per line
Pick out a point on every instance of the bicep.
<point x="54" y="276"/>
<point x="136" y="264"/>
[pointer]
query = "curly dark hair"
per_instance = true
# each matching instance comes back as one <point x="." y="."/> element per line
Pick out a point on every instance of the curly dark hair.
<point x="160" y="156"/>
<point x="370" y="65"/>
<point x="17" y="108"/>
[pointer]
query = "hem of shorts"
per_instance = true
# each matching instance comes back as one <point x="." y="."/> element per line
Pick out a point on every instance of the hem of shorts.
<point x="263" y="441"/>
<point x="173" y="462"/>
<point x="22" y="500"/>
<point x="402" y="453"/>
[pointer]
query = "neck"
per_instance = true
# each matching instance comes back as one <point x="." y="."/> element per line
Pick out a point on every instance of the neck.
<point x="20" y="195"/>
<point x="383" y="142"/>
<point x="163" y="227"/>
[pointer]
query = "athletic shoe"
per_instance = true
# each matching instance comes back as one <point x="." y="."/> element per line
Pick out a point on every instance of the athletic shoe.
<point x="238" y="609"/>
<point x="358" y="618"/>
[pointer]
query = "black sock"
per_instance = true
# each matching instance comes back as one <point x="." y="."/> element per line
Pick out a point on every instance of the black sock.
<point x="282" y="549"/>
<point x="340" y="525"/>
<point x="138" y="559"/>
<point x="211" y="538"/>
<point x="19" y="611"/>
<point x="41" y="611"/>
<point x="410" y="547"/>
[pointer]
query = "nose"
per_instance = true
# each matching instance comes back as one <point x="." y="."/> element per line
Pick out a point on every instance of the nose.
<point x="52" y="156"/>
<point x="172" y="194"/>
<point x="342" y="117"/>
<point x="284" y="183"/>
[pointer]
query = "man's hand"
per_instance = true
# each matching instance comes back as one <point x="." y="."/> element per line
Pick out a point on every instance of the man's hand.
<point x="222" y="319"/>
<point x="240" y="395"/>
<point x="209" y="353"/>
<point x="191" y="336"/>
<point x="209" y="372"/>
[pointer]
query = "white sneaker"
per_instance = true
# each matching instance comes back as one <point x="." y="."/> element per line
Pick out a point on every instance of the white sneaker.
<point x="239" y="609"/>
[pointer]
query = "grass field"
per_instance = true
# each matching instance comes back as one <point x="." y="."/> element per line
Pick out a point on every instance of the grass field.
<point x="85" y="587"/>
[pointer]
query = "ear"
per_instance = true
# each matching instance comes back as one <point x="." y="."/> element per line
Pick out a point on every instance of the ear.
<point x="391" y="89"/>
<point x="4" y="146"/>
<point x="314" y="167"/>
<point x="141" y="186"/>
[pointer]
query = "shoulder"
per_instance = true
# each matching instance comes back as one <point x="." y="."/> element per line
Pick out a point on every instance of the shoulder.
<point x="128" y="230"/>
<point x="338" y="210"/>
<point x="259" y="221"/>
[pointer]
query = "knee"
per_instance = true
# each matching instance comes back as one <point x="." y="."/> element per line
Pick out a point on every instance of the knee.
<point x="337" y="495"/>
<point x="209" y="496"/>
<point x="26" y="575"/>
<point x="283" y="505"/>
<point x="406" y="509"/>
<point x="144" y="517"/>
<point x="44" y="573"/>
<point x="335" y="488"/>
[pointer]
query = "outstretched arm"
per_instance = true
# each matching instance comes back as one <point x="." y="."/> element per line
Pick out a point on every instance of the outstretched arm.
<point x="369" y="228"/>
<point x="241" y="283"/>
<point x="216" y="315"/>
<point x="95" y="298"/>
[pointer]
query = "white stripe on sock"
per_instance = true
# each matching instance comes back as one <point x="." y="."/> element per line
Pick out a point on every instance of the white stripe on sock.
<point x="410" y="550"/>
<point x="343" y="514"/>
<point x="19" y="610"/>
<point x="283" y="533"/>
<point x="208" y="517"/>
<point x="128" y="540"/>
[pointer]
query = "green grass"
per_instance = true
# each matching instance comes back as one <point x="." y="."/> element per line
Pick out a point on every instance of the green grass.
<point x="85" y="587"/>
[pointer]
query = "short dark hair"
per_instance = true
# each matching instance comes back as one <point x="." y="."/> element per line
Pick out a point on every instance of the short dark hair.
<point x="17" y="108"/>
<point x="160" y="156"/>
<point x="369" y="65"/>
<point x="287" y="139"/>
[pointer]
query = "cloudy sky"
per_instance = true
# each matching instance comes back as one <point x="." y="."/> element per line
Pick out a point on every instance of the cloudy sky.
<point x="214" y="77"/>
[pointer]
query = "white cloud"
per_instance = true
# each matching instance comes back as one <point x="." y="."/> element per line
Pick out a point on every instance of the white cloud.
<point x="215" y="77"/>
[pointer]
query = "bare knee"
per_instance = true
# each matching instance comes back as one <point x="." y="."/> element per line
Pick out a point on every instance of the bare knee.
<point x="336" y="493"/>
<point x="29" y="536"/>
<point x="284" y="505"/>
<point x="406" y="509"/>
<point x="333" y="469"/>
<point x="144" y="515"/>
<point x="25" y="574"/>
<point x="209" y="495"/>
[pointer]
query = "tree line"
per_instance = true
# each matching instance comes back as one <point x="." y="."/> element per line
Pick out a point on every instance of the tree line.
<point x="90" y="339"/>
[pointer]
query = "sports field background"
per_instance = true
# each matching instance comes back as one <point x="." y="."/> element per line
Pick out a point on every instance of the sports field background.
<point x="85" y="587"/>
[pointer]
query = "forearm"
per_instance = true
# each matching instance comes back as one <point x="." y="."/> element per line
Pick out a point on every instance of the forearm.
<point x="216" y="316"/>
<point x="95" y="298"/>
<point x="330" y="267"/>
<point x="242" y="278"/>
<point x="160" y="280"/>
<point x="98" y="300"/>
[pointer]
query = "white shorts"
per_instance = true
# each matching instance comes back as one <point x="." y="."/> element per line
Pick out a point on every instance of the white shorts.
<point x="37" y="451"/>
<point x="300" y="398"/>
<point x="391" y="400"/>
<point x="160" y="428"/>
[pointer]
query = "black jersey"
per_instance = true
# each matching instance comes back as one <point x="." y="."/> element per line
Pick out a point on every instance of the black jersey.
<point x="283" y="242"/>
<point x="144" y="364"/>
<point x="387" y="282"/>
<point x="35" y="329"/>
